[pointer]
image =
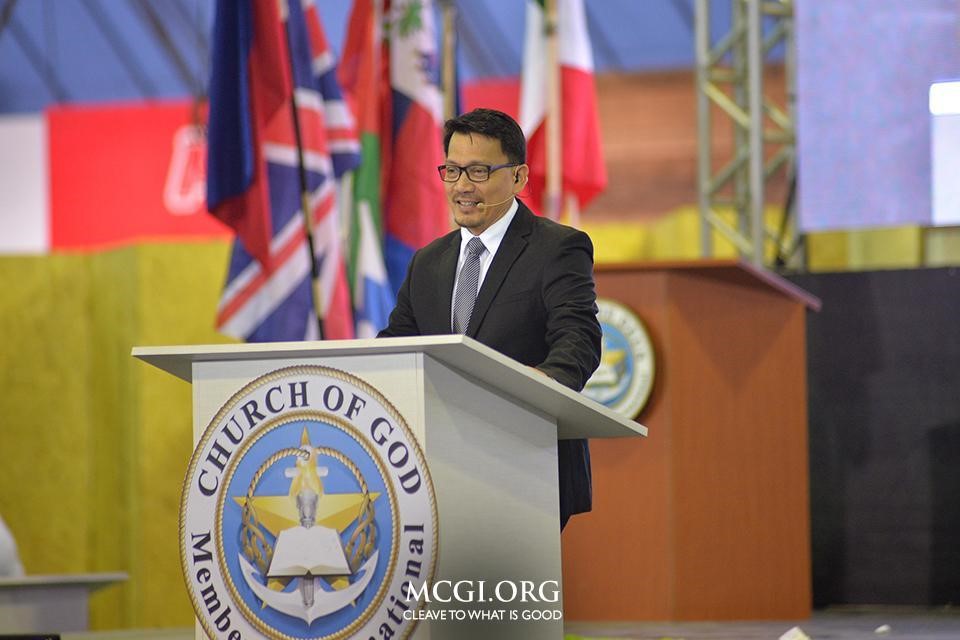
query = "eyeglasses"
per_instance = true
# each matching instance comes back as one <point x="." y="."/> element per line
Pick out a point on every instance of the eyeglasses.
<point x="475" y="172"/>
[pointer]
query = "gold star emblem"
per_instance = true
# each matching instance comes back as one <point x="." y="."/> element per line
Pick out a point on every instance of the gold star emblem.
<point x="334" y="510"/>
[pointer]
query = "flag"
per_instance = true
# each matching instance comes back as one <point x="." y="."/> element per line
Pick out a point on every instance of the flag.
<point x="360" y="73"/>
<point x="414" y="203"/>
<point x="584" y="171"/>
<point x="269" y="291"/>
<point x="243" y="97"/>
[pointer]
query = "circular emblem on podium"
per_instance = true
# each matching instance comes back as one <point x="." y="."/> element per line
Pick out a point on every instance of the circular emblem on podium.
<point x="624" y="379"/>
<point x="307" y="512"/>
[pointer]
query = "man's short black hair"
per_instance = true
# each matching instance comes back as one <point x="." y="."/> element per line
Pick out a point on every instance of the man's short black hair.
<point x="493" y="124"/>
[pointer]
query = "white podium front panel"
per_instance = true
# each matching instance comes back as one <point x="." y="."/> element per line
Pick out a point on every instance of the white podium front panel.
<point x="494" y="469"/>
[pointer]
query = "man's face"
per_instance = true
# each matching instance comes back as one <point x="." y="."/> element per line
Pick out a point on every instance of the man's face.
<point x="464" y="195"/>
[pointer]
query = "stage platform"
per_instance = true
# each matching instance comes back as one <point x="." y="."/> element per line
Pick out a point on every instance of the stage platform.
<point x="832" y="624"/>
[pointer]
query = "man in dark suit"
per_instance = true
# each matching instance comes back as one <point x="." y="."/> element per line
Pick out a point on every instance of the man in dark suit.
<point x="514" y="281"/>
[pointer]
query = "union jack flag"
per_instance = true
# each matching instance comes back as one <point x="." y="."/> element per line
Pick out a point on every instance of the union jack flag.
<point x="254" y="175"/>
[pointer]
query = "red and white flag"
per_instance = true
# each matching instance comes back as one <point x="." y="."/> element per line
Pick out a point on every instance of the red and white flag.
<point x="584" y="171"/>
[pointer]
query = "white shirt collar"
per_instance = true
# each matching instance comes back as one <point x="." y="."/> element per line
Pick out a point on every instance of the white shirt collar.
<point x="492" y="235"/>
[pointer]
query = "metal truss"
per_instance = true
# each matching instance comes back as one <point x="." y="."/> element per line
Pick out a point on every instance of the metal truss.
<point x="730" y="77"/>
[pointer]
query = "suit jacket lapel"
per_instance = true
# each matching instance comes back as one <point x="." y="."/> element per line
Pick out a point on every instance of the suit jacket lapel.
<point x="513" y="243"/>
<point x="447" y="273"/>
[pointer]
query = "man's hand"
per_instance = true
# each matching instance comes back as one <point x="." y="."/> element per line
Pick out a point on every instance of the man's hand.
<point x="543" y="373"/>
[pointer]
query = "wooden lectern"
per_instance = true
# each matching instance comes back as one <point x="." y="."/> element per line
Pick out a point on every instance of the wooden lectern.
<point x="709" y="519"/>
<point x="488" y="428"/>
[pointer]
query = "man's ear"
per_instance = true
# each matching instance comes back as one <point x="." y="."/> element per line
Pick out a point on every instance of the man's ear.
<point x="520" y="178"/>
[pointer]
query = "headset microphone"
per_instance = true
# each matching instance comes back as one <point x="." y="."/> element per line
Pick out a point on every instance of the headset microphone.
<point x="495" y="204"/>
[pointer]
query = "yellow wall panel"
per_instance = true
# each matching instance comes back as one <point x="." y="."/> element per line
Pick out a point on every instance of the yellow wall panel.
<point x="95" y="444"/>
<point x="46" y="409"/>
<point x="180" y="286"/>
<point x="676" y="236"/>
<point x="617" y="242"/>
<point x="941" y="246"/>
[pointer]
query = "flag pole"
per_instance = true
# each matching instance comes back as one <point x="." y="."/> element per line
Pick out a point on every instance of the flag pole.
<point x="448" y="72"/>
<point x="307" y="217"/>
<point x="554" y="117"/>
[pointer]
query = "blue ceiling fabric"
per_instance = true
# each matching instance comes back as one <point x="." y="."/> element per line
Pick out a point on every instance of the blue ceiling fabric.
<point x="76" y="51"/>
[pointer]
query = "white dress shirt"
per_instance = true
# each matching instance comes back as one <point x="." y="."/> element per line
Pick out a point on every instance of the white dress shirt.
<point x="491" y="239"/>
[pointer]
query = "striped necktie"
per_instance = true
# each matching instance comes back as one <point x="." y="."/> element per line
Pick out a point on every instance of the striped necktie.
<point x="467" y="284"/>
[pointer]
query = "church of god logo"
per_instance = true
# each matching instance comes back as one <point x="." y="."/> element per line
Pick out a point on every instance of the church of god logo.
<point x="624" y="379"/>
<point x="307" y="512"/>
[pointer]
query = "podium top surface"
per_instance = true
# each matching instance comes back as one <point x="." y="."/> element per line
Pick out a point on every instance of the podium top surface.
<point x="577" y="416"/>
<point x="734" y="270"/>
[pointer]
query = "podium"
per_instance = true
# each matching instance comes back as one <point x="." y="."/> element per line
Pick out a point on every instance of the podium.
<point x="709" y="519"/>
<point x="50" y="603"/>
<point x="487" y="427"/>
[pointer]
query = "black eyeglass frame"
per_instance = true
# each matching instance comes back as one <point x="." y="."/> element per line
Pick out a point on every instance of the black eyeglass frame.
<point x="442" y="170"/>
